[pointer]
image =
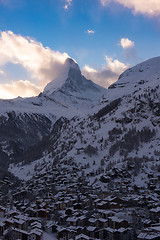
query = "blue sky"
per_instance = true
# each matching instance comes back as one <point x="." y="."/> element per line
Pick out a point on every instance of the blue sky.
<point x="90" y="31"/>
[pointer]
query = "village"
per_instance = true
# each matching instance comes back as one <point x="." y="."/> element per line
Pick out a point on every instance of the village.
<point x="64" y="204"/>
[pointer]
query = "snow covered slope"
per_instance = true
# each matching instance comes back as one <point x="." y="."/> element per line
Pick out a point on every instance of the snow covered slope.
<point x="140" y="77"/>
<point x="123" y="133"/>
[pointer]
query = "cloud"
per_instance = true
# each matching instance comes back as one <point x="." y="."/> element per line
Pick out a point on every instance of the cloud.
<point x="42" y="63"/>
<point x="149" y="7"/>
<point x="108" y="74"/>
<point x="90" y="31"/>
<point x="21" y="87"/>
<point x="67" y="4"/>
<point x="126" y="43"/>
<point x="128" y="48"/>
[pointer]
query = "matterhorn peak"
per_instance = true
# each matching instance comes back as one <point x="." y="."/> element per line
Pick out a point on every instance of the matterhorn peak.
<point x="72" y="83"/>
<point x="71" y="64"/>
<point x="68" y="68"/>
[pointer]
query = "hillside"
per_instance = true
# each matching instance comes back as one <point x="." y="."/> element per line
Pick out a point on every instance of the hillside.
<point x="97" y="171"/>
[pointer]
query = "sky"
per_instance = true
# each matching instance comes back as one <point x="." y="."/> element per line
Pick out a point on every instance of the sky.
<point x="105" y="37"/>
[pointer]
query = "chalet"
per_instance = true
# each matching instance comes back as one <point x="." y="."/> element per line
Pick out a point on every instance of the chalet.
<point x="146" y="236"/>
<point x="102" y="223"/>
<point x="60" y="205"/>
<point x="36" y="225"/>
<point x="101" y="234"/>
<point x="72" y="233"/>
<point x="90" y="231"/>
<point x="82" y="237"/>
<point x="71" y="221"/>
<point x="20" y="224"/>
<point x="155" y="214"/>
<point x="92" y="222"/>
<point x="63" y="234"/>
<point x="102" y="205"/>
<point x="82" y="220"/>
<point x="35" y="234"/>
<point x="121" y="233"/>
<point x="152" y="233"/>
<point x="8" y="223"/>
<point x="15" y="233"/>
<point x="31" y="212"/>
<point x="51" y="228"/>
<point x="116" y="223"/>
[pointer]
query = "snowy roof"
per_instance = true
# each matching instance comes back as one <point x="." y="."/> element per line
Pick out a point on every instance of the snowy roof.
<point x="82" y="236"/>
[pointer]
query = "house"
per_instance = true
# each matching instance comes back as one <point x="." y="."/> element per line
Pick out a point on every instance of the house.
<point x="121" y="233"/>
<point x="72" y="221"/>
<point x="152" y="233"/>
<point x="116" y="223"/>
<point x="101" y="234"/>
<point x="155" y="214"/>
<point x="91" y="231"/>
<point x="51" y="228"/>
<point x="146" y="236"/>
<point x="8" y="223"/>
<point x="102" y="223"/>
<point x="63" y="234"/>
<point x="15" y="233"/>
<point x="35" y="234"/>
<point x="82" y="237"/>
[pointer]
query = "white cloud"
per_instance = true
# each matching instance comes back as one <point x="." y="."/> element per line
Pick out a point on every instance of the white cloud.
<point x="126" y="43"/>
<point x="67" y="4"/>
<point x="149" y="7"/>
<point x="128" y="48"/>
<point x="108" y="74"/>
<point x="90" y="31"/>
<point x="42" y="63"/>
<point x="14" y="89"/>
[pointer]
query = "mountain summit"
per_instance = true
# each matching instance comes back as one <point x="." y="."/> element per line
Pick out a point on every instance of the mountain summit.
<point x="72" y="83"/>
<point x="136" y="79"/>
<point x="145" y="72"/>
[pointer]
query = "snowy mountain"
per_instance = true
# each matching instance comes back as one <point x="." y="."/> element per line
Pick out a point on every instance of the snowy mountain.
<point x="76" y="91"/>
<point x="122" y="132"/>
<point x="24" y="122"/>
<point x="98" y="166"/>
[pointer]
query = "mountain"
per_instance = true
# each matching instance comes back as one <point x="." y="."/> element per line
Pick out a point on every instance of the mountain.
<point x="25" y="121"/>
<point x="122" y="131"/>
<point x="73" y="90"/>
<point x="96" y="169"/>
